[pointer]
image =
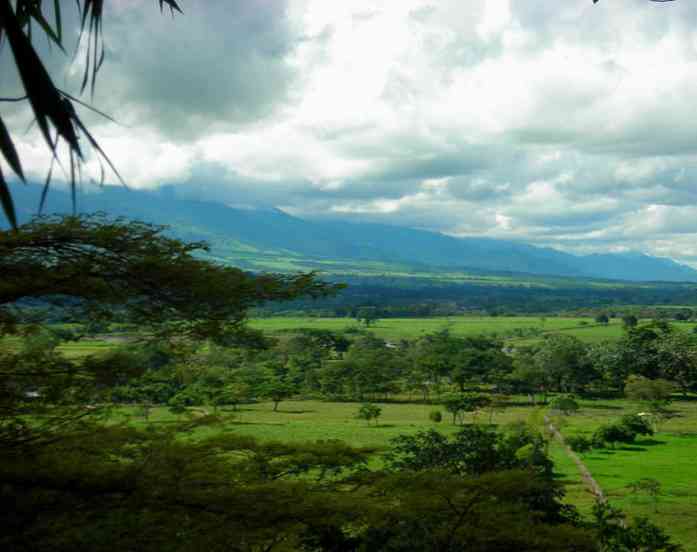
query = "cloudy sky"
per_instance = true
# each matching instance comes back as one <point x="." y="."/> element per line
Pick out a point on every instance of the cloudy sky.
<point x="557" y="123"/>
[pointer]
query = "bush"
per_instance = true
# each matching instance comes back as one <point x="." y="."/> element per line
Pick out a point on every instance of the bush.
<point x="579" y="443"/>
<point x="369" y="411"/>
<point x="640" y="425"/>
<point x="435" y="416"/>
<point x="611" y="434"/>
<point x="565" y="405"/>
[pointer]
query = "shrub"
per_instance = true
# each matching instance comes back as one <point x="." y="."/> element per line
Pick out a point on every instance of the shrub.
<point x="613" y="433"/>
<point x="640" y="425"/>
<point x="369" y="411"/>
<point x="435" y="416"/>
<point x="565" y="405"/>
<point x="579" y="443"/>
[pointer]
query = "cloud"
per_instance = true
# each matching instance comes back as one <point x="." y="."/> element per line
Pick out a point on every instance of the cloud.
<point x="562" y="124"/>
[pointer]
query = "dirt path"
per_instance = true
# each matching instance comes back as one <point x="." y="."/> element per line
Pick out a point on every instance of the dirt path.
<point x="591" y="483"/>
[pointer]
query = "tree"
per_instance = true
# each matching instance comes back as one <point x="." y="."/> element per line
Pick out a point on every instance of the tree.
<point x="602" y="318"/>
<point x="637" y="424"/>
<point x="53" y="109"/>
<point x="655" y="392"/>
<point x="367" y="315"/>
<point x="276" y="390"/>
<point x="101" y="265"/>
<point x="677" y="356"/>
<point x="435" y="416"/>
<point x="614" y="534"/>
<point x="612" y="434"/>
<point x="564" y="360"/>
<point x="630" y="321"/>
<point x="565" y="405"/>
<point x="458" y="405"/>
<point x="369" y="411"/>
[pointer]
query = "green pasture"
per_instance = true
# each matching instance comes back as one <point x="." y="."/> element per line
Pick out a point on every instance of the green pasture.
<point x="395" y="329"/>
<point x="667" y="457"/>
<point x="410" y="328"/>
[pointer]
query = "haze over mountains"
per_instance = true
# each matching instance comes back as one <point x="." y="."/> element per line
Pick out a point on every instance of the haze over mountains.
<point x="269" y="239"/>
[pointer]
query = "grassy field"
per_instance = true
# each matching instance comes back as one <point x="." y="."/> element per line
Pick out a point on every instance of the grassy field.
<point x="410" y="328"/>
<point x="394" y="329"/>
<point x="667" y="457"/>
<point x="503" y="326"/>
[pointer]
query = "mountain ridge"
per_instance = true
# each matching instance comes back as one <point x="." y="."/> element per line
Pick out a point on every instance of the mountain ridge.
<point x="270" y="239"/>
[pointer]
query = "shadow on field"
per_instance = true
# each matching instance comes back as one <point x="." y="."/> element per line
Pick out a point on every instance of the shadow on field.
<point x="237" y="422"/>
<point x="682" y="398"/>
<point x="279" y="411"/>
<point x="636" y="447"/>
<point x="602" y="407"/>
<point x="651" y="442"/>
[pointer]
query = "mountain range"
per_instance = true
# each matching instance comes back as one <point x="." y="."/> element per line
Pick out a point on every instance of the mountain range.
<point x="269" y="239"/>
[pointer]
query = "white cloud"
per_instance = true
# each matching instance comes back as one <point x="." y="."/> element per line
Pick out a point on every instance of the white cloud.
<point x="564" y="124"/>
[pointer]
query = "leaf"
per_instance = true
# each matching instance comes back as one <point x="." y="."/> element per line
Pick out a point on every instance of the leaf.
<point x="59" y="22"/>
<point x="44" y="192"/>
<point x="9" y="151"/>
<point x="172" y="5"/>
<point x="8" y="206"/>
<point x="46" y="27"/>
<point x="43" y="96"/>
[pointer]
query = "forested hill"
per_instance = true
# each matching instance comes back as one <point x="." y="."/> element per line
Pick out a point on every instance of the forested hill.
<point x="273" y="240"/>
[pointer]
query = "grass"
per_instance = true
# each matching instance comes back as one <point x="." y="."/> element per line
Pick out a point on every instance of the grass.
<point x="667" y="457"/>
<point x="410" y="328"/>
<point x="503" y="326"/>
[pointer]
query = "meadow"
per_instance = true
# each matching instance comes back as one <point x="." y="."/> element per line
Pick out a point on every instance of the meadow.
<point x="395" y="329"/>
<point x="667" y="457"/>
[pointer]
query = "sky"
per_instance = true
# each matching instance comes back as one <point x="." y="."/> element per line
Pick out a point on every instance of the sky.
<point x="563" y="124"/>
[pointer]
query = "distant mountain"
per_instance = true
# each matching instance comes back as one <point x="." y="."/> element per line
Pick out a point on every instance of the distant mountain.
<point x="270" y="239"/>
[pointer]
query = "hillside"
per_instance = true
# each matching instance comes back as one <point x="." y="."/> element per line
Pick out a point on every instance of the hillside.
<point x="269" y="239"/>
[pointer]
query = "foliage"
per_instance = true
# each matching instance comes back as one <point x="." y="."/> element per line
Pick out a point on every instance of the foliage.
<point x="459" y="405"/>
<point x="473" y="450"/>
<point x="654" y="392"/>
<point x="579" y="443"/>
<point x="629" y="321"/>
<point x="100" y="264"/>
<point x="640" y="425"/>
<point x="602" y="318"/>
<point x="565" y="362"/>
<point x="435" y="416"/>
<point x="367" y="315"/>
<point x="368" y="412"/>
<point x="612" y="434"/>
<point x="614" y="535"/>
<point x="565" y="405"/>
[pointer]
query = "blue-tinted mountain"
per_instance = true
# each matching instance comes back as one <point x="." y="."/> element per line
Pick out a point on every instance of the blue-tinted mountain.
<point x="270" y="239"/>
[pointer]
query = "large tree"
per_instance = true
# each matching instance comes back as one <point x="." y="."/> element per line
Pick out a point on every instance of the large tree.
<point x="102" y="264"/>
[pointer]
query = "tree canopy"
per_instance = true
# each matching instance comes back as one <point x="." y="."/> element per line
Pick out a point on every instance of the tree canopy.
<point x="99" y="264"/>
